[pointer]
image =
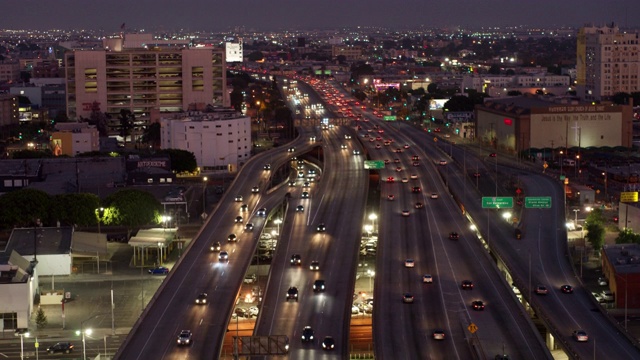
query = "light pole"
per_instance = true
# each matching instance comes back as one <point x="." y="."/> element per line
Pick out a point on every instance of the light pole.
<point x="373" y="218"/>
<point x="100" y="212"/>
<point x="204" y="199"/>
<point x="371" y="274"/>
<point x="606" y="195"/>
<point x="22" y="336"/>
<point x="83" y="332"/>
<point x="278" y="222"/>
<point x="576" y="211"/>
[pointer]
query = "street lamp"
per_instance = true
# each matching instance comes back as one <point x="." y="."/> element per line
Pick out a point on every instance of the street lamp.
<point x="373" y="218"/>
<point x="368" y="228"/>
<point x="506" y="216"/>
<point x="22" y="336"/>
<point x="84" y="332"/>
<point x="278" y="222"/>
<point x="204" y="192"/>
<point x="606" y="195"/>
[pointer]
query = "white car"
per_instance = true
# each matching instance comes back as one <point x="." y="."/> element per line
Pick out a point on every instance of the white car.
<point x="405" y="180"/>
<point x="434" y="195"/>
<point x="427" y="278"/>
<point x="343" y="146"/>
<point x="409" y="263"/>
<point x="223" y="256"/>
<point x="414" y="176"/>
<point x="405" y="213"/>
<point x="238" y="198"/>
<point x="580" y="335"/>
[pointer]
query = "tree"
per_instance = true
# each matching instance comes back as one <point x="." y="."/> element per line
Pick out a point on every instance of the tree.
<point x="131" y="208"/>
<point x="459" y="103"/>
<point x="621" y="98"/>
<point x="41" y="319"/>
<point x="432" y="88"/>
<point x="181" y="160"/>
<point x="152" y="135"/>
<point x="255" y="56"/>
<point x="75" y="209"/>
<point x="627" y="236"/>
<point x="236" y="98"/>
<point x="126" y="119"/>
<point x="595" y="229"/>
<point x="23" y="207"/>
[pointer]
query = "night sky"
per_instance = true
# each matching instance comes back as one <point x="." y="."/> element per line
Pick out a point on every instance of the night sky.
<point x="108" y="15"/>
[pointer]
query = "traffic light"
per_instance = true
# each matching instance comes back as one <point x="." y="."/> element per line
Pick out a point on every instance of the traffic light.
<point x="457" y="131"/>
<point x="20" y="136"/>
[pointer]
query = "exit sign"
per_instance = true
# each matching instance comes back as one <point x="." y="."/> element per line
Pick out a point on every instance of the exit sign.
<point x="497" y="202"/>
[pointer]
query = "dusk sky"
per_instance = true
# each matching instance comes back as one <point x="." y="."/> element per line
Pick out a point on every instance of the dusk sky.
<point x="305" y="14"/>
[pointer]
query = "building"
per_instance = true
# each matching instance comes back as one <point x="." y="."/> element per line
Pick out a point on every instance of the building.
<point x="72" y="139"/>
<point x="621" y="266"/>
<point x="17" y="291"/>
<point x="524" y="122"/>
<point x="9" y="114"/>
<point x="608" y="62"/>
<point x="19" y="174"/>
<point x="149" y="171"/>
<point x="220" y="140"/>
<point x="500" y="85"/>
<point x="49" y="95"/>
<point x="145" y="79"/>
<point x="9" y="72"/>
<point x="351" y="53"/>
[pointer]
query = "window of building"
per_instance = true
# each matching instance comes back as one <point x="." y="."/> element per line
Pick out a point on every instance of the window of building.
<point x="150" y="181"/>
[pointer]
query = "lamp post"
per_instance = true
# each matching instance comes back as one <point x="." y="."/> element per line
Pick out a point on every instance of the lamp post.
<point x="278" y="222"/>
<point x="373" y="218"/>
<point x="22" y="336"/>
<point x="576" y="211"/>
<point x="204" y="199"/>
<point x="368" y="228"/>
<point x="606" y="194"/>
<point x="84" y="332"/>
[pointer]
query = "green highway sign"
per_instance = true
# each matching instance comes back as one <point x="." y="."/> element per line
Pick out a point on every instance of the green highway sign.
<point x="497" y="202"/>
<point x="537" y="202"/>
<point x="374" y="164"/>
<point x="389" y="118"/>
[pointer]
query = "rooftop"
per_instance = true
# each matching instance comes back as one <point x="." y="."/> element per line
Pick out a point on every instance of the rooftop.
<point x="625" y="258"/>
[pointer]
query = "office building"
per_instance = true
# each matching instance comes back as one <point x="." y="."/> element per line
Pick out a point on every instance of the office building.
<point x="220" y="139"/>
<point x="144" y="76"/>
<point x="608" y="62"/>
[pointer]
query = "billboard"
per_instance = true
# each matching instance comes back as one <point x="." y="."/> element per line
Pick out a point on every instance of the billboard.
<point x="437" y="104"/>
<point x="233" y="52"/>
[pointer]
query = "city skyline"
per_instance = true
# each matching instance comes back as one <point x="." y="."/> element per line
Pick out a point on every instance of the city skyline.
<point x="109" y="15"/>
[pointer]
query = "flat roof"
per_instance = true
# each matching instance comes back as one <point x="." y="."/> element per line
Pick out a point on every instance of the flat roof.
<point x="45" y="240"/>
<point x="625" y="258"/>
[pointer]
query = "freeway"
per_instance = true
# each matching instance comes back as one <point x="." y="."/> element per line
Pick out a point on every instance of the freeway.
<point x="173" y="307"/>
<point x="401" y="330"/>
<point x="337" y="202"/>
<point x="539" y="258"/>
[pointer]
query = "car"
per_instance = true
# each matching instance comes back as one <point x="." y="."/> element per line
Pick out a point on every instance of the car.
<point x="391" y="179"/>
<point x="262" y="212"/>
<point x="405" y="180"/>
<point x="454" y="236"/>
<point x="467" y="285"/>
<point x="343" y="146"/>
<point x="567" y="289"/>
<point x="60" y="347"/>
<point x="252" y="311"/>
<point x="416" y="190"/>
<point x="232" y="238"/>
<point x="493" y="155"/>
<point x="434" y="196"/>
<point x="405" y="213"/>
<point x="427" y="278"/>
<point x="541" y="290"/>
<point x="238" y="198"/>
<point x="244" y="208"/>
<point x="305" y="194"/>
<point x="399" y="168"/>
<point x="296" y="259"/>
<point x="419" y="205"/>
<point x="267" y="167"/>
<point x="250" y="279"/>
<point x="318" y="286"/>
<point x="415" y="163"/>
<point x="518" y="234"/>
<point x="292" y="293"/>
<point x="315" y="266"/>
<point x="386" y="161"/>
<point x="443" y="162"/>
<point x="476" y="174"/>
<point x="201" y="298"/>
<point x="223" y="256"/>
<point x="407" y="298"/>
<point x="391" y="197"/>
<point x="398" y="150"/>
<point x="477" y="305"/>
<point x="291" y="149"/>
<point x="307" y="334"/>
<point x="312" y="138"/>
<point x="299" y="208"/>
<point x="159" y="270"/>
<point x="347" y="136"/>
<point x="378" y="146"/>
<point x="184" y="337"/>
<point x="580" y="335"/>
<point x="414" y="176"/>
<point x="397" y="161"/>
<point x="248" y="226"/>
<point x="406" y="146"/>
<point x="356" y="152"/>
<point x="255" y="190"/>
<point x="291" y="183"/>
<point x="306" y="184"/>
<point x="215" y="246"/>
<point x="438" y="334"/>
<point x="321" y="227"/>
<point x="409" y="263"/>
<point x="239" y="219"/>
<point x="602" y="281"/>
<point x="328" y="343"/>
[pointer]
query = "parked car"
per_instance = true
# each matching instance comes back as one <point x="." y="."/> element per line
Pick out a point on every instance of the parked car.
<point x="159" y="270"/>
<point x="61" y="347"/>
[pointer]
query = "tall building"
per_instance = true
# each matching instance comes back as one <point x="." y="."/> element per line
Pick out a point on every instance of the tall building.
<point x="8" y="110"/>
<point x="608" y="62"/>
<point x="144" y="77"/>
<point x="220" y="140"/>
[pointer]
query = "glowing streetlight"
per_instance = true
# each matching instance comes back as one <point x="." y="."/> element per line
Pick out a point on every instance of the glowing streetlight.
<point x="22" y="336"/>
<point x="278" y="222"/>
<point x="204" y="192"/>
<point x="368" y="228"/>
<point x="506" y="215"/>
<point x="373" y="218"/>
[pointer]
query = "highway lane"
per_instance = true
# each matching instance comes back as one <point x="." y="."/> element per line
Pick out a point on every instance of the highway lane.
<point x="544" y="242"/>
<point x="336" y="202"/>
<point x="503" y="322"/>
<point x="172" y="308"/>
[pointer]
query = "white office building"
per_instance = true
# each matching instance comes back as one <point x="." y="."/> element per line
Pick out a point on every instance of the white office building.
<point x="220" y="139"/>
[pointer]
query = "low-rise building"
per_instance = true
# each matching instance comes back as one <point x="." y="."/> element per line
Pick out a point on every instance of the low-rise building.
<point x="621" y="266"/>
